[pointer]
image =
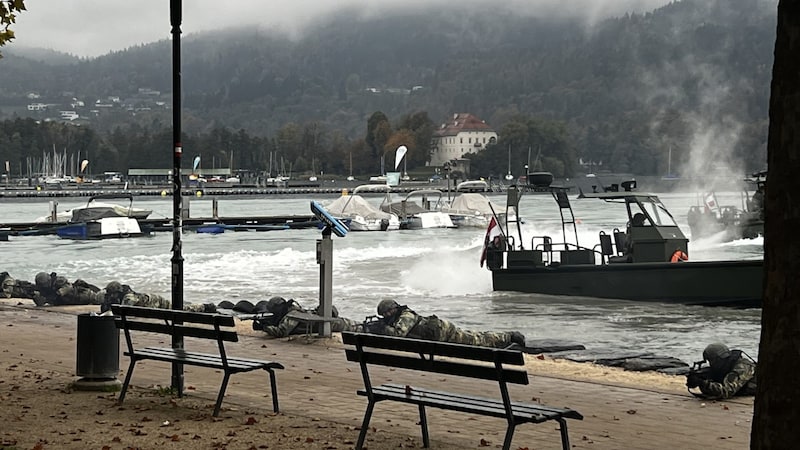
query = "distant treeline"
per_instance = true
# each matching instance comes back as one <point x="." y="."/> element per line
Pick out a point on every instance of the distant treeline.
<point x="683" y="88"/>
<point x="294" y="150"/>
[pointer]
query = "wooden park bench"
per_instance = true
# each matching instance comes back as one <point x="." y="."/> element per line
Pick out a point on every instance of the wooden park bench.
<point x="451" y="359"/>
<point x="215" y="327"/>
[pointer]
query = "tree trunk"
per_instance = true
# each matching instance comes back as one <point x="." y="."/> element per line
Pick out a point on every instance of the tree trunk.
<point x="777" y="404"/>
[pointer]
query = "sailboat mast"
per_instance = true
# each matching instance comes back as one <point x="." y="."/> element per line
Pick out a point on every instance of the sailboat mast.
<point x="669" y="162"/>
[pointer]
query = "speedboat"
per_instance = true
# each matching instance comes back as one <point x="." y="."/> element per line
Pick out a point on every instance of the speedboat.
<point x="362" y="215"/>
<point x="419" y="209"/>
<point x="95" y="209"/>
<point x="473" y="210"/>
<point x="646" y="262"/>
<point x="101" y="222"/>
<point x="745" y="221"/>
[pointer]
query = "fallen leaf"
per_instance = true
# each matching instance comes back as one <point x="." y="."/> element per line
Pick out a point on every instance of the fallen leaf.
<point x="484" y="443"/>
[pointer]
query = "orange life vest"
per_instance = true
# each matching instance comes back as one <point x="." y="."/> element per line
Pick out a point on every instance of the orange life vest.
<point x="679" y="256"/>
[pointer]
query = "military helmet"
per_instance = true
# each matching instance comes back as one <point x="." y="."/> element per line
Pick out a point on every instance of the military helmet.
<point x="114" y="287"/>
<point x="386" y="305"/>
<point x="716" y="352"/>
<point x="274" y="303"/>
<point x="42" y="279"/>
<point x="334" y="311"/>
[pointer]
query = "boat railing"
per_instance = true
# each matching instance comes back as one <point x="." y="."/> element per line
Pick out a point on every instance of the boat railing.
<point x="546" y="252"/>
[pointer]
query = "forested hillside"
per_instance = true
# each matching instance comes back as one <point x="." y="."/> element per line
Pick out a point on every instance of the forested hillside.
<point x="690" y="80"/>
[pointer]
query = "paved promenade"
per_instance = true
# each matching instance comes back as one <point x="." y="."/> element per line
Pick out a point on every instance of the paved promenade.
<point x="319" y="383"/>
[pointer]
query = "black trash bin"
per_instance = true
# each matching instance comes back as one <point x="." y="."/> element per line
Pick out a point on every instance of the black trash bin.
<point x="98" y="347"/>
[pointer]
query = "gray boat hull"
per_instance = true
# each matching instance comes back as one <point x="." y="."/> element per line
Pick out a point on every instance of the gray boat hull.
<point x="708" y="283"/>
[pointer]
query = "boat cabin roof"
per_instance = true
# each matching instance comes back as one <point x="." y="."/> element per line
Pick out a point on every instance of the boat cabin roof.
<point x="630" y="196"/>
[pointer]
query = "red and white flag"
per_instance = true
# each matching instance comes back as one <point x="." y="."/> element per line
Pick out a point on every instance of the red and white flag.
<point x="711" y="201"/>
<point x="491" y="232"/>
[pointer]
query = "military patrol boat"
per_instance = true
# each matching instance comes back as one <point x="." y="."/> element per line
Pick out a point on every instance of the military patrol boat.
<point x="646" y="262"/>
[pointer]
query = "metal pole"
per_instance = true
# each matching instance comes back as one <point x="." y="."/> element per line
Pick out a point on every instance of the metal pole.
<point x="325" y="249"/>
<point x="175" y="12"/>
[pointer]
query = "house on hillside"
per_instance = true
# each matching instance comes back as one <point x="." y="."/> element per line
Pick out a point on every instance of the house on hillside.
<point x="463" y="133"/>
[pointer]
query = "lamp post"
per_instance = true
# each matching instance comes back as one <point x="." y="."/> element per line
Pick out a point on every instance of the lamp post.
<point x="175" y="12"/>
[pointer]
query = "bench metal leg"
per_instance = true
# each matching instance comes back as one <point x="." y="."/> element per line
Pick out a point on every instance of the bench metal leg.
<point x="509" y="435"/>
<point x="221" y="394"/>
<point x="365" y="425"/>
<point x="562" y="425"/>
<point x="127" y="382"/>
<point x="423" y="423"/>
<point x="274" y="386"/>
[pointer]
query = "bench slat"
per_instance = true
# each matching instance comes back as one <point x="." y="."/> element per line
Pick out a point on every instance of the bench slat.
<point x="205" y="359"/>
<point x="438" y="366"/>
<point x="519" y="408"/>
<point x="173" y="315"/>
<point x="183" y="330"/>
<point x="471" y="352"/>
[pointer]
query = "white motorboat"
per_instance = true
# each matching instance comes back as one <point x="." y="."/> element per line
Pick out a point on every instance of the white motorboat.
<point x="95" y="209"/>
<point x="419" y="209"/>
<point x="363" y="216"/>
<point x="471" y="209"/>
<point x="101" y="223"/>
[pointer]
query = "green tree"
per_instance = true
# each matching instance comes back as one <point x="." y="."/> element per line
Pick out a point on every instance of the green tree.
<point x="421" y="128"/>
<point x="8" y="16"/>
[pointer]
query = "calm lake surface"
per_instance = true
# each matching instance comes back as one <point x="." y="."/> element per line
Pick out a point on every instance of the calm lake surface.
<point x="433" y="271"/>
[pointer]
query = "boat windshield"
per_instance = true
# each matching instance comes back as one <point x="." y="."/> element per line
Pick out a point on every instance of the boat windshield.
<point x="658" y="214"/>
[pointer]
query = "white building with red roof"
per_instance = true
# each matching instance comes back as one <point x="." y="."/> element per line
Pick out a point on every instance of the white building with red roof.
<point x="463" y="133"/>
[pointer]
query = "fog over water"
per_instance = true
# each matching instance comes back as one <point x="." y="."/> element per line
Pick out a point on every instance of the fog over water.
<point x="96" y="27"/>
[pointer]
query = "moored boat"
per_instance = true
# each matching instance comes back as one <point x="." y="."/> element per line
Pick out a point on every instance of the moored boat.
<point x="362" y="215"/>
<point x="102" y="223"/>
<point x="419" y="209"/>
<point x="472" y="209"/>
<point x="646" y="262"/>
<point x="96" y="209"/>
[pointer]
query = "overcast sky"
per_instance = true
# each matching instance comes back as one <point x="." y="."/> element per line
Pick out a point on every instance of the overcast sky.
<point x="96" y="27"/>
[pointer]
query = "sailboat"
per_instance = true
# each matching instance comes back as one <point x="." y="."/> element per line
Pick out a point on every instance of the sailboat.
<point x="351" y="177"/>
<point x="537" y="178"/>
<point x="313" y="176"/>
<point x="670" y="175"/>
<point x="509" y="177"/>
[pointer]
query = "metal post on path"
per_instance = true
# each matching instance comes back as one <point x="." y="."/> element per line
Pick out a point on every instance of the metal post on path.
<point x="175" y="13"/>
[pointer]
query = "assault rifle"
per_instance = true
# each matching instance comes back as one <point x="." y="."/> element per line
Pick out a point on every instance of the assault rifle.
<point x="373" y="324"/>
<point x="697" y="373"/>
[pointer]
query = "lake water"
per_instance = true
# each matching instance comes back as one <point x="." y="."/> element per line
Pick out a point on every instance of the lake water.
<point x="433" y="271"/>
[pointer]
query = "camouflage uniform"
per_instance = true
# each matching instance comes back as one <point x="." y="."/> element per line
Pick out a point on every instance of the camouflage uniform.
<point x="407" y="323"/>
<point x="283" y="325"/>
<point x="13" y="288"/>
<point x="44" y="286"/>
<point x="734" y="375"/>
<point x="77" y="293"/>
<point x="116" y="293"/>
<point x="7" y="283"/>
